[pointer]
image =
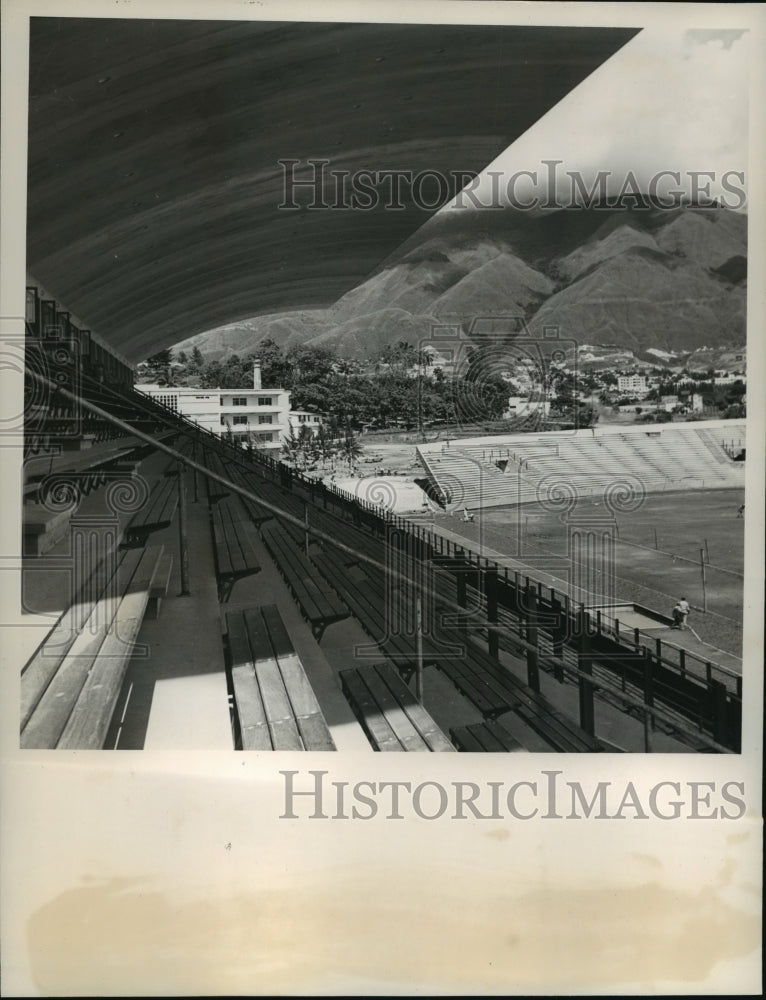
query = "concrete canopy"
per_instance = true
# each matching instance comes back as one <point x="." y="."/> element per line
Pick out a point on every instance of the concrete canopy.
<point x="153" y="179"/>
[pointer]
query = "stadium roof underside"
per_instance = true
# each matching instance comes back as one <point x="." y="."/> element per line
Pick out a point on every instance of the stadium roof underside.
<point x="153" y="177"/>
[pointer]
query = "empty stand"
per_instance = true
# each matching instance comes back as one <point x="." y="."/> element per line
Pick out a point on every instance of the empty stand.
<point x="275" y="705"/>
<point x="390" y="714"/>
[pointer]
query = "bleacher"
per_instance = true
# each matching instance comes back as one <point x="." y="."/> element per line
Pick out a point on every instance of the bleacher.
<point x="331" y="555"/>
<point x="676" y="457"/>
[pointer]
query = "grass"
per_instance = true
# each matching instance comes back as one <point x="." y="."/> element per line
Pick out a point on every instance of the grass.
<point x="654" y="577"/>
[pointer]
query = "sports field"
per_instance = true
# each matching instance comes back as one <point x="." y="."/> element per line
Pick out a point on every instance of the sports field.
<point x="656" y="553"/>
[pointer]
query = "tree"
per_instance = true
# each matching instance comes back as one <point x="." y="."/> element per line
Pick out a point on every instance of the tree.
<point x="161" y="359"/>
<point x="197" y="360"/>
<point x="351" y="449"/>
<point x="182" y="357"/>
<point x="275" y="372"/>
<point x="290" y="446"/>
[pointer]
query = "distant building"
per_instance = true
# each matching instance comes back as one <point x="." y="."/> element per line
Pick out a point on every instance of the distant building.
<point x="305" y="418"/>
<point x="258" y="416"/>
<point x="632" y="383"/>
<point x="519" y="406"/>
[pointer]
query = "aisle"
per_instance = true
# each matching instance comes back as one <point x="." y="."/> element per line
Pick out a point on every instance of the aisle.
<point x="174" y="696"/>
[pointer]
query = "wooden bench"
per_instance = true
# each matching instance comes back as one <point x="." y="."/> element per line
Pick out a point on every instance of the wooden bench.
<point x="157" y="512"/>
<point x="70" y="686"/>
<point x="258" y="514"/>
<point x="233" y="543"/>
<point x="485" y="737"/>
<point x="389" y="713"/>
<point x="367" y="601"/>
<point x="42" y="528"/>
<point x="87" y="467"/>
<point x="320" y="606"/>
<point x="276" y="708"/>
<point x="216" y="491"/>
<point x="160" y="586"/>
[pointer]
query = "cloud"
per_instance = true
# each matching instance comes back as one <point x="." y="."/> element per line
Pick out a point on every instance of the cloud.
<point x="665" y="101"/>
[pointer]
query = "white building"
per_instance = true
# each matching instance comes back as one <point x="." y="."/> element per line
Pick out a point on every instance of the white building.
<point x="631" y="383"/>
<point x="520" y="406"/>
<point x="258" y="416"/>
<point x="305" y="418"/>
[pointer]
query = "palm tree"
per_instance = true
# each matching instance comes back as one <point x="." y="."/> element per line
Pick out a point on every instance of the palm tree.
<point x="306" y="444"/>
<point x="324" y="443"/>
<point x="291" y="446"/>
<point x="351" y="449"/>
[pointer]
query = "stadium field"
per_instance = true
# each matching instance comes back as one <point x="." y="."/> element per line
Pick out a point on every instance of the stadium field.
<point x="658" y="549"/>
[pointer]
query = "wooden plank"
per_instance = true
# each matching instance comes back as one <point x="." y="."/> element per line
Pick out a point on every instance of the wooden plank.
<point x="249" y="704"/>
<point x="281" y="643"/>
<point x="509" y="743"/>
<point x="564" y="738"/>
<point x="417" y="713"/>
<point x="486" y="738"/>
<point x="466" y="740"/>
<point x="373" y="721"/>
<point x="298" y="686"/>
<point x="465" y="682"/>
<point x="47" y="721"/>
<point x="315" y="733"/>
<point x="41" y="668"/>
<point x="223" y="559"/>
<point x="317" y="605"/>
<point x="527" y="737"/>
<point x="395" y="715"/>
<point x="160" y="586"/>
<point x="87" y="726"/>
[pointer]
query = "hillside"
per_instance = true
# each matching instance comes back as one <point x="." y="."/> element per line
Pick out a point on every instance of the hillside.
<point x="637" y="279"/>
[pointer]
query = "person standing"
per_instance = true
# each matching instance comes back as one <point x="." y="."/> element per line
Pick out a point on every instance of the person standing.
<point x="684" y="608"/>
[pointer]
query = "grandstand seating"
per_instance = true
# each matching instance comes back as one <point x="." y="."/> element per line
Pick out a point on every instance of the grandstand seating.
<point x="69" y="692"/>
<point x="235" y="555"/>
<point x="275" y="704"/>
<point x="70" y="686"/>
<point x="674" y="458"/>
<point x="389" y="713"/>
<point x="485" y="737"/>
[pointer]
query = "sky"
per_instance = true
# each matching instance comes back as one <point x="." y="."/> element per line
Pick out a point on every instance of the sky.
<point x="668" y="100"/>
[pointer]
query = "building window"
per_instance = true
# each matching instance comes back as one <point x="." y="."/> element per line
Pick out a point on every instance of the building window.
<point x="264" y="437"/>
<point x="265" y="420"/>
<point x="239" y="401"/>
<point x="239" y="420"/>
<point x="264" y="400"/>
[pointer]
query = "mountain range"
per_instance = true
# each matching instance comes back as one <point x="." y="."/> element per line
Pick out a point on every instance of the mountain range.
<point x="640" y="278"/>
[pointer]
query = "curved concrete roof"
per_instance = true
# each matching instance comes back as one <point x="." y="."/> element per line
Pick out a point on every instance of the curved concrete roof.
<point x="154" y="181"/>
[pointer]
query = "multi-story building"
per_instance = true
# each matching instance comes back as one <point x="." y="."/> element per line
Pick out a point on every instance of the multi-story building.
<point x="631" y="383"/>
<point x="257" y="416"/>
<point x="305" y="418"/>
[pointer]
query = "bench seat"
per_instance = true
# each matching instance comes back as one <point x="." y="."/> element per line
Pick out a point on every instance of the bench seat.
<point x="215" y="490"/>
<point x="233" y="543"/>
<point x="70" y="686"/>
<point x="276" y="707"/>
<point x="319" y="603"/>
<point x="389" y="713"/>
<point x="157" y="512"/>
<point x="485" y="737"/>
